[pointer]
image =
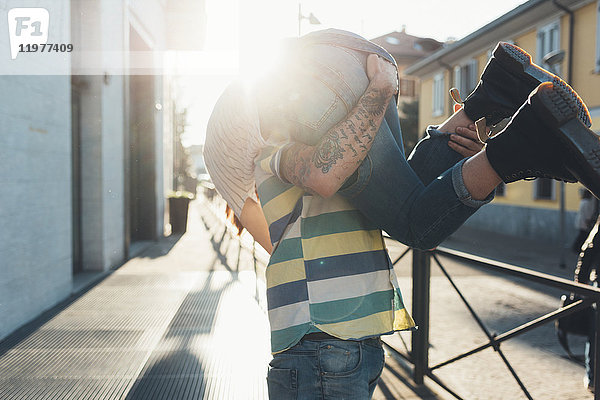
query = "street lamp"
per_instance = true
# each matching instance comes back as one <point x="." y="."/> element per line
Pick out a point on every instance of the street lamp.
<point x="552" y="60"/>
<point x="311" y="19"/>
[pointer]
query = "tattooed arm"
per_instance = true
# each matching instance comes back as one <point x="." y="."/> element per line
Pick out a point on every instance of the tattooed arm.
<point x="322" y="169"/>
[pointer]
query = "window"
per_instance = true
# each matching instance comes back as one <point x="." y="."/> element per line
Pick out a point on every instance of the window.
<point x="439" y="95"/>
<point x="392" y="40"/>
<point x="544" y="189"/>
<point x="598" y="38"/>
<point x="407" y="87"/>
<point x="466" y="77"/>
<point x="548" y="40"/>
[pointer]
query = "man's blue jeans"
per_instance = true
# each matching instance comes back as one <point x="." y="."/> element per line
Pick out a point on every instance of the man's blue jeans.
<point x="419" y="201"/>
<point x="326" y="369"/>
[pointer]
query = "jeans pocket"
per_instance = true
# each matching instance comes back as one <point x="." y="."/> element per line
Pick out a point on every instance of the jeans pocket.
<point x="340" y="358"/>
<point x="374" y="359"/>
<point x="282" y="383"/>
<point x="375" y="342"/>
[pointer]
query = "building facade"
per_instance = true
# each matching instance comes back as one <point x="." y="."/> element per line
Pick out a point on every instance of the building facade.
<point x="406" y="50"/>
<point x="86" y="147"/>
<point x="543" y="28"/>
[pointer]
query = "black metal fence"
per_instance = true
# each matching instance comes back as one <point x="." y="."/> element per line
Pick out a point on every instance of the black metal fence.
<point x="421" y="275"/>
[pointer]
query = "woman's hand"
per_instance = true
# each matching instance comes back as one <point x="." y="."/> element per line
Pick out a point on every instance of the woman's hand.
<point x="465" y="141"/>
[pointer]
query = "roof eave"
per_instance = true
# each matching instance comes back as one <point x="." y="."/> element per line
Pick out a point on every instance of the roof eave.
<point x="502" y="27"/>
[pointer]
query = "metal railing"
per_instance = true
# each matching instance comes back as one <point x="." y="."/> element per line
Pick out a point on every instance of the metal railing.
<point x="260" y="258"/>
<point x="421" y="275"/>
<point x="418" y="356"/>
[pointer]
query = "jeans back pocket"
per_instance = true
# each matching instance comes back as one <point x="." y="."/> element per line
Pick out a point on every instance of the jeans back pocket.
<point x="282" y="383"/>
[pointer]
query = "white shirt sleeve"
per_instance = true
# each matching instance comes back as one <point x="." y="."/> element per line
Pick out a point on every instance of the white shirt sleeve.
<point x="233" y="141"/>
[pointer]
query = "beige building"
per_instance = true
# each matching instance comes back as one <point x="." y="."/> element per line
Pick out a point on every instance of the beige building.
<point x="407" y="50"/>
<point x="542" y="28"/>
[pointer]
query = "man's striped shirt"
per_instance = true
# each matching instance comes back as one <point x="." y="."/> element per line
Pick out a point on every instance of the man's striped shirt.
<point x="329" y="270"/>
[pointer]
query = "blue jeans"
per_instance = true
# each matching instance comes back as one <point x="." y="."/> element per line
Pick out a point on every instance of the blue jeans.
<point x="418" y="202"/>
<point x="326" y="369"/>
<point x="590" y="348"/>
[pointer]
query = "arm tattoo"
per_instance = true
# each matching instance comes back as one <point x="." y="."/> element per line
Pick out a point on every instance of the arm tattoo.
<point x="349" y="146"/>
<point x="328" y="152"/>
<point x="296" y="167"/>
<point x="375" y="103"/>
<point x="341" y="150"/>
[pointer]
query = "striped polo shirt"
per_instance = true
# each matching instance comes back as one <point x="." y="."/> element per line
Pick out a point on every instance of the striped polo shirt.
<point x="329" y="270"/>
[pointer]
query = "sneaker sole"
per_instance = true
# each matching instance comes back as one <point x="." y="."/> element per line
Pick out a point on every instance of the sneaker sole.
<point x="558" y="110"/>
<point x="518" y="62"/>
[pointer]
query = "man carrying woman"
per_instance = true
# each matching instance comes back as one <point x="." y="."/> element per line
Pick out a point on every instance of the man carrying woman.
<point x="320" y="140"/>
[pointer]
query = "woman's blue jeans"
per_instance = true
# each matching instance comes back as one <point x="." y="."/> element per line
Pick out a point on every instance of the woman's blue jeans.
<point x="419" y="201"/>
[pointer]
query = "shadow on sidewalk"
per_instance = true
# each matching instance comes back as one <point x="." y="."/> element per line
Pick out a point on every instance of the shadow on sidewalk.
<point x="396" y="383"/>
<point x="160" y="247"/>
<point x="222" y="241"/>
<point x="177" y="367"/>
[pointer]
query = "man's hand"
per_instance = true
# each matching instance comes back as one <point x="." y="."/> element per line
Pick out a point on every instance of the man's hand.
<point x="465" y="141"/>
<point x="382" y="73"/>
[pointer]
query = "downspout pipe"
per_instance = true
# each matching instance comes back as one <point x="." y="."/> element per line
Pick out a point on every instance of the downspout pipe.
<point x="570" y="82"/>
<point x="451" y="82"/>
<point x="571" y="35"/>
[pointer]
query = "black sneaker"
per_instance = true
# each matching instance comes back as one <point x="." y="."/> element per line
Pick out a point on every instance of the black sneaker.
<point x="507" y="80"/>
<point x="546" y="139"/>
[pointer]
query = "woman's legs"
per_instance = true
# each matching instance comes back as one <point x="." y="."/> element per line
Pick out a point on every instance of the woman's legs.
<point x="389" y="192"/>
<point x="432" y="155"/>
<point x="327" y="82"/>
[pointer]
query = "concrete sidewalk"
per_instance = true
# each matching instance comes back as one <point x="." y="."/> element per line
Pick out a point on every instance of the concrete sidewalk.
<point x="177" y="322"/>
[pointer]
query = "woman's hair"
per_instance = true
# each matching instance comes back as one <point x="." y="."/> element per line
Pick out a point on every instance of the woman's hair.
<point x="234" y="220"/>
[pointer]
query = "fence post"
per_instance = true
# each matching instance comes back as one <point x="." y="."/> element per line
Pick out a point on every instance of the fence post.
<point x="421" y="272"/>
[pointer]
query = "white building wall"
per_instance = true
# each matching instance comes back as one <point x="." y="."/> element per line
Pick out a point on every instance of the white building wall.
<point x="91" y="174"/>
<point x="113" y="185"/>
<point x="113" y="131"/>
<point x="35" y="176"/>
<point x="36" y="253"/>
<point x="102" y="136"/>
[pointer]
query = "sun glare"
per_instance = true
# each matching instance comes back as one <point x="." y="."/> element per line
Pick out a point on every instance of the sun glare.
<point x="243" y="36"/>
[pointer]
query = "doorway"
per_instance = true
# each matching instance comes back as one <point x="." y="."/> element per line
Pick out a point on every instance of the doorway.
<point x="142" y="151"/>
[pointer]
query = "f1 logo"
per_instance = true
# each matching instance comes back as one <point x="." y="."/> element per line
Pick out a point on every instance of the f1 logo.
<point x="27" y="26"/>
